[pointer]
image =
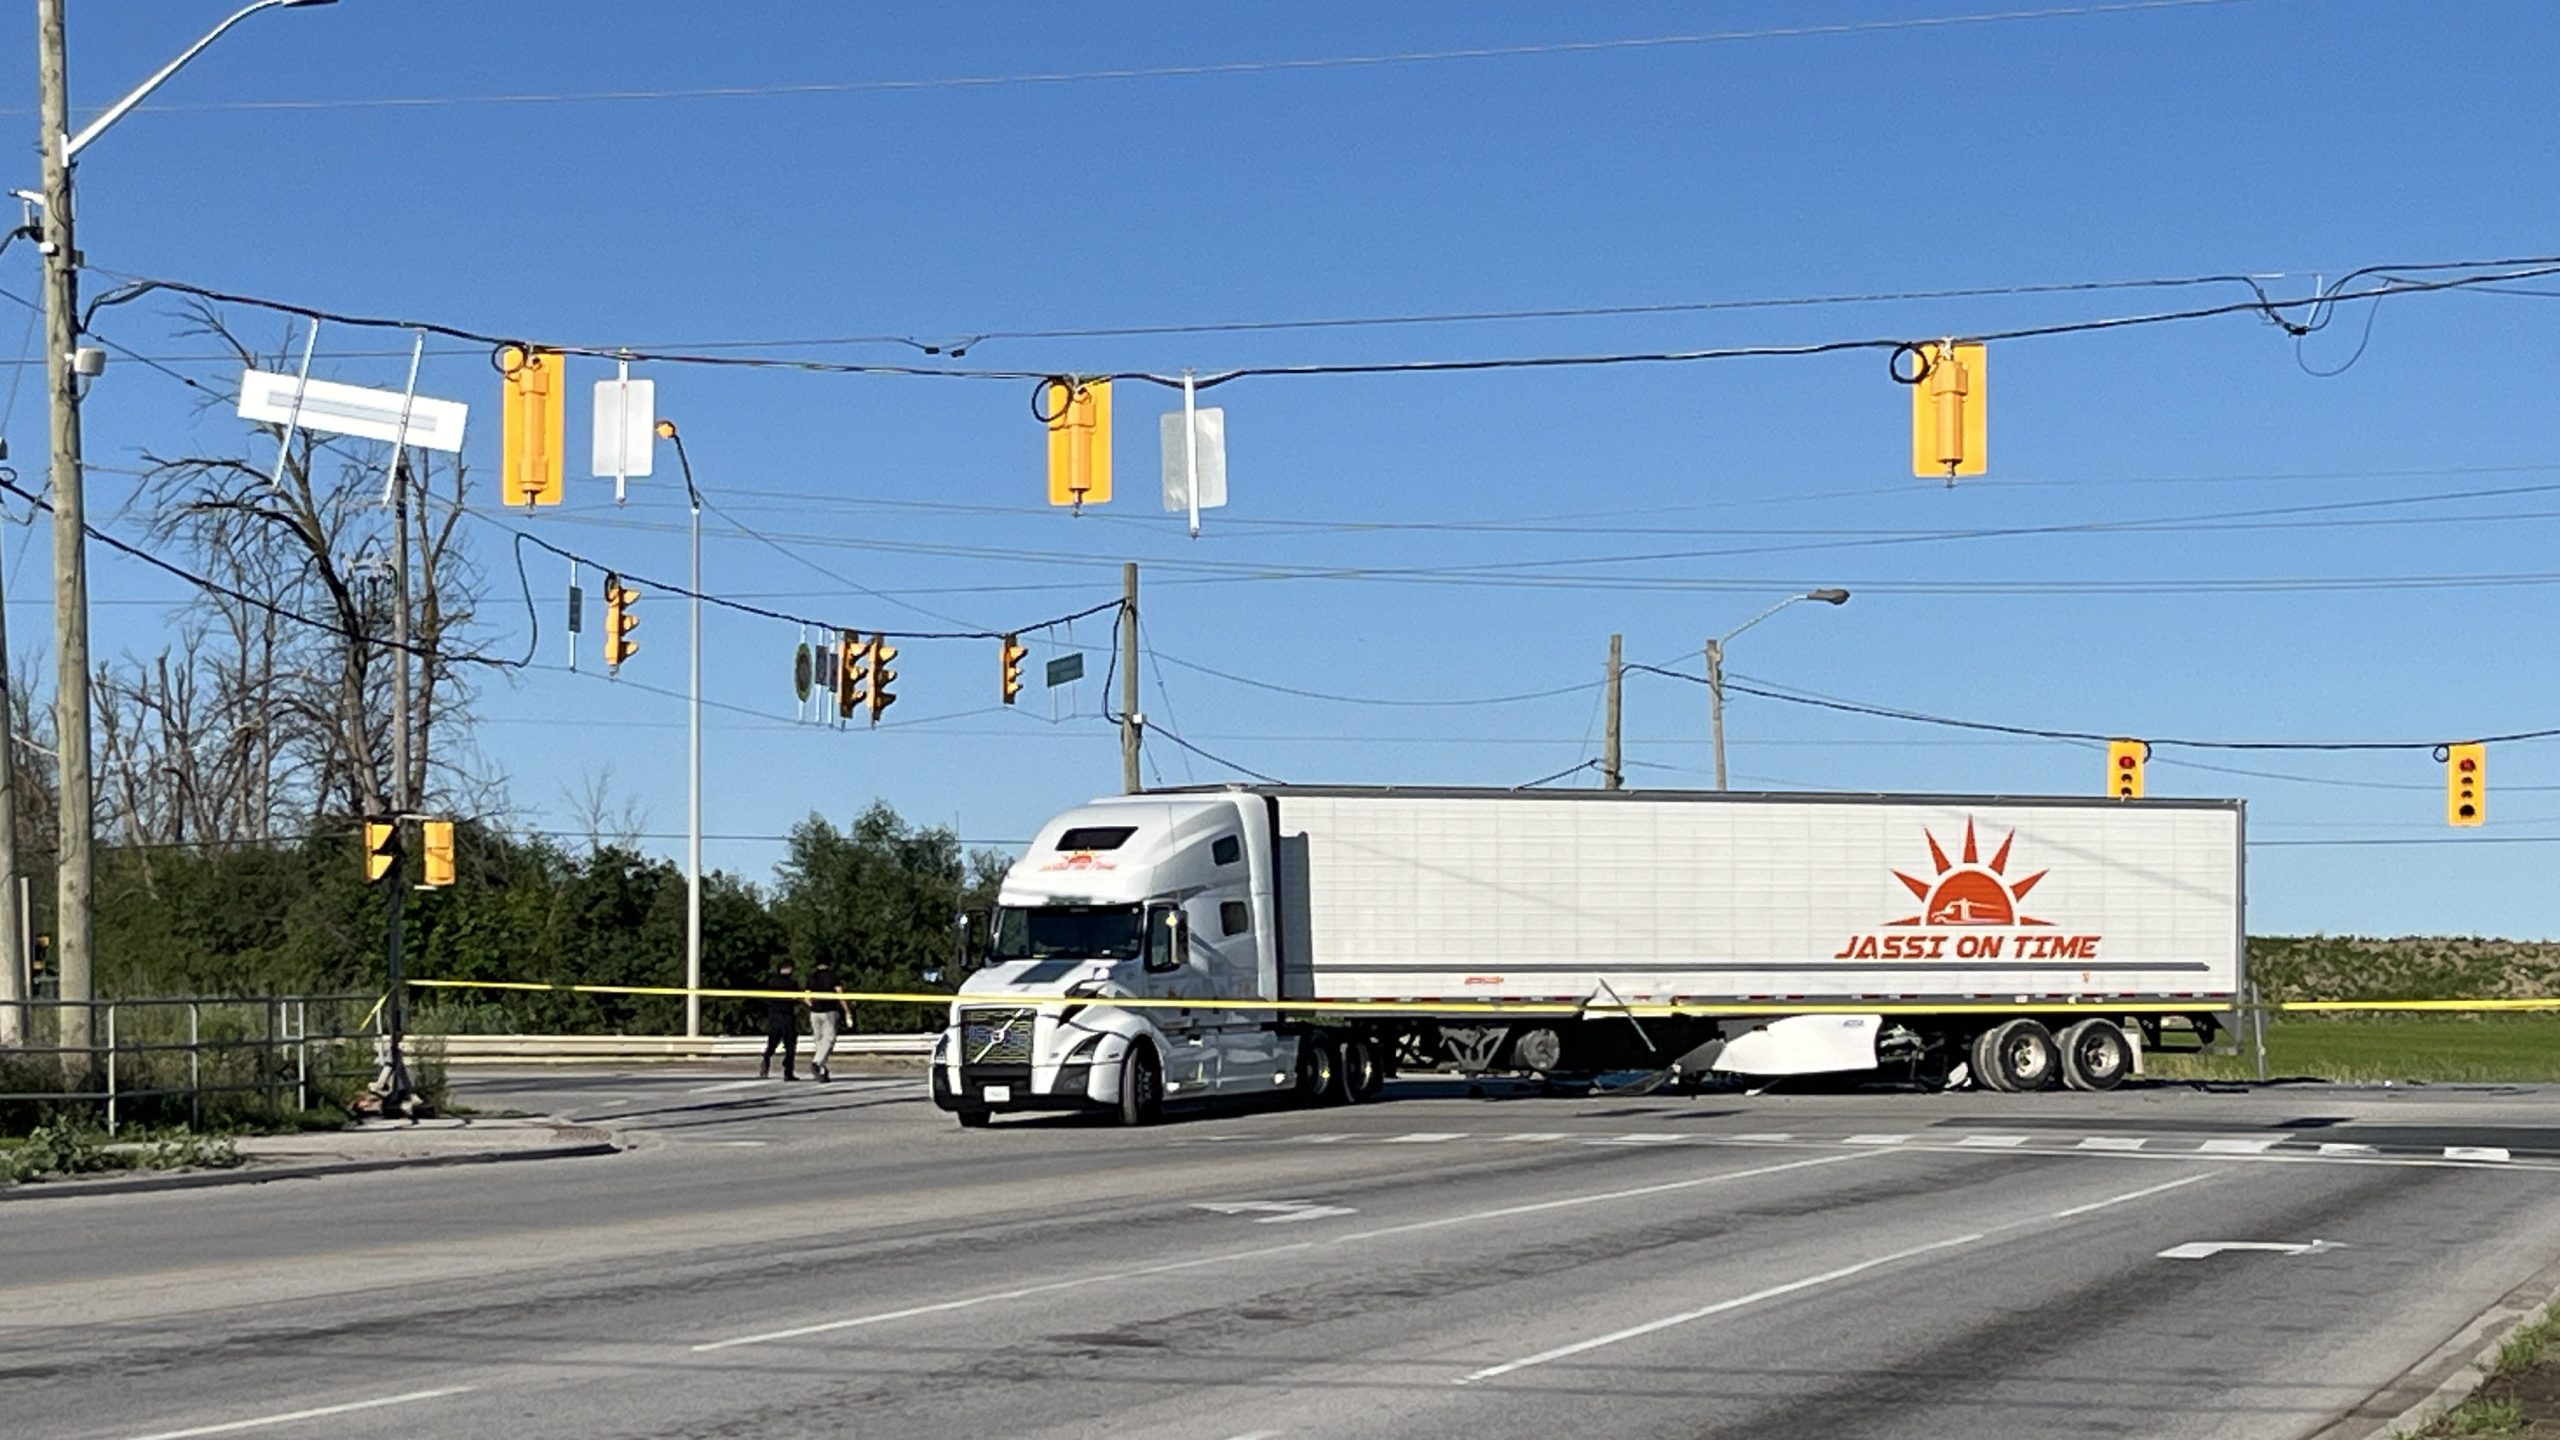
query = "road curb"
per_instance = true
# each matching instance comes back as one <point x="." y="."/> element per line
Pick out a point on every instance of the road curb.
<point x="2451" y="1372"/>
<point x="603" y="1143"/>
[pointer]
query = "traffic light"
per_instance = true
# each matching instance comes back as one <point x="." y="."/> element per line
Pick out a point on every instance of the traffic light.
<point x="2124" y="768"/>
<point x="381" y="848"/>
<point x="1014" y="652"/>
<point x="1949" y="401"/>
<point x="535" y="422"/>
<point x="619" y="622"/>
<point x="882" y="652"/>
<point x="850" y="656"/>
<point x="438" y="846"/>
<point x="2466" y="784"/>
<point x="1079" y="417"/>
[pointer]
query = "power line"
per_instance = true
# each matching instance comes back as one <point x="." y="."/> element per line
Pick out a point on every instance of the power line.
<point x="1735" y="686"/>
<point x="1194" y="70"/>
<point x="1381" y="700"/>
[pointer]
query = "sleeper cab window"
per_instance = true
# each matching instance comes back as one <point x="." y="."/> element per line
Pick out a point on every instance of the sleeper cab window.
<point x="1234" y="918"/>
<point x="1226" y="850"/>
<point x="1096" y="837"/>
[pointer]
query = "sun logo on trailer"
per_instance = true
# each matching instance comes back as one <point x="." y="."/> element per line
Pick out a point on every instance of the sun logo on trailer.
<point x="1968" y="891"/>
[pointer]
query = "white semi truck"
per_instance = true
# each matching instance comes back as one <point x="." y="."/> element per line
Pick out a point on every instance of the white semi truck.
<point x="2013" y="943"/>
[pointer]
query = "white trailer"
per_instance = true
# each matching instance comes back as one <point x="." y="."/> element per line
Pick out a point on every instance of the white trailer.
<point x="2007" y="942"/>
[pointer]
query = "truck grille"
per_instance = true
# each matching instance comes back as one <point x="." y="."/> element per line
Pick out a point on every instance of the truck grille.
<point x="995" y="1037"/>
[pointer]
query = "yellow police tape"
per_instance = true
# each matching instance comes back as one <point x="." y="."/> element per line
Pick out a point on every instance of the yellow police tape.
<point x="1521" y="1007"/>
<point x="1386" y="1007"/>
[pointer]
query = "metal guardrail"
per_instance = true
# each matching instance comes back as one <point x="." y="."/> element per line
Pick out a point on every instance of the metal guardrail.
<point x="463" y="1050"/>
<point x="265" y="1046"/>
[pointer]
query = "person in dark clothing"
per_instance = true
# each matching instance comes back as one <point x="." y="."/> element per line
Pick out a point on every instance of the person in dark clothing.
<point x="828" y="1014"/>
<point x="781" y="1025"/>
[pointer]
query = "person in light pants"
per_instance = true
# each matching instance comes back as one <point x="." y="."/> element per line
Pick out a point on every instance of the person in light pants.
<point x="828" y="1011"/>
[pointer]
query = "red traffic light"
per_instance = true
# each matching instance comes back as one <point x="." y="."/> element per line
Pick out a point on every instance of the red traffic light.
<point x="2466" y="764"/>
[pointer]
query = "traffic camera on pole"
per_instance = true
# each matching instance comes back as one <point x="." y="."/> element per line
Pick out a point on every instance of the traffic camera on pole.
<point x="882" y="652"/>
<point x="1014" y="652"/>
<point x="619" y="622"/>
<point x="2124" y="768"/>
<point x="2466" y="784"/>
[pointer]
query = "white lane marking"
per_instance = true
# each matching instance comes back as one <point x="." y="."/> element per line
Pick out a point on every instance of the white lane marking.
<point x="1771" y="1138"/>
<point x="1635" y="1139"/>
<point x="1827" y="1277"/>
<point x="973" y="1301"/>
<point x="2112" y="1142"/>
<point x="727" y="1085"/>
<point x="2477" y="1152"/>
<point x="2240" y="1147"/>
<point x="1257" y="1435"/>
<point x="2133" y="1195"/>
<point x="1529" y="1137"/>
<point x="1994" y="1142"/>
<point x="321" y="1412"/>
<point x="1876" y="1139"/>
<point x="1427" y="1137"/>
<point x="1573" y="1200"/>
<point x="1318" y="1139"/>
<point x="2207" y="1249"/>
<point x="1275" y="1212"/>
<point x="2340" y="1148"/>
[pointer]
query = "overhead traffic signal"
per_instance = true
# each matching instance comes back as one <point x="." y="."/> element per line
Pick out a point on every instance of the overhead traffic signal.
<point x="2466" y="784"/>
<point x="619" y="622"/>
<point x="881" y="653"/>
<point x="2124" y="768"/>
<point x="850" y="657"/>
<point x="1079" y="416"/>
<point x="1014" y="651"/>
<point x="534" y="420"/>
<point x="1949" y="401"/>
<point x="381" y="848"/>
<point x="438" y="845"/>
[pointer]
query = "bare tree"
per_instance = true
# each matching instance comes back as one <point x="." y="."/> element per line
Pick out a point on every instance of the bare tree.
<point x="594" y="814"/>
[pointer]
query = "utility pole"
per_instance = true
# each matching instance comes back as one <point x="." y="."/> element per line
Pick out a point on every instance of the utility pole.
<point x="15" y="982"/>
<point x="1613" y="774"/>
<point x="70" y="552"/>
<point x="1129" y="722"/>
<point x="1715" y="701"/>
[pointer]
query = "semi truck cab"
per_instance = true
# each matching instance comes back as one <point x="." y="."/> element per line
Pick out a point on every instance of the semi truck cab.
<point x="1154" y="898"/>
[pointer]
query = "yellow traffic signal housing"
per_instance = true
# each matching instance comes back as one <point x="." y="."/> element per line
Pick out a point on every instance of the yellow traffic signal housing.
<point x="381" y="848"/>
<point x="850" y="662"/>
<point x="438" y="847"/>
<point x="619" y="622"/>
<point x="534" y="416"/>
<point x="882" y="652"/>
<point x="1079" y="442"/>
<point x="1014" y="651"/>
<point x="2466" y="784"/>
<point x="1949" y="433"/>
<point x="2124" y="768"/>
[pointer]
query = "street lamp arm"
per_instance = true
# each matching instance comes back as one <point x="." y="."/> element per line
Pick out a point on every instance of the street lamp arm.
<point x="72" y="145"/>
<point x="1727" y="637"/>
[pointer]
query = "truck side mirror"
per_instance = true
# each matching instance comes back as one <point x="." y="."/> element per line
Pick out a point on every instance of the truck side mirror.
<point x="966" y="944"/>
<point x="1168" y="938"/>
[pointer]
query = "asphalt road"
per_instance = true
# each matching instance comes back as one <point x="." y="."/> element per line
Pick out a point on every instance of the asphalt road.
<point x="842" y="1260"/>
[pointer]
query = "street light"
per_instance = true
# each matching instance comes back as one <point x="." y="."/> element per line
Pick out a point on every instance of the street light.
<point x="1715" y="661"/>
<point x="70" y="534"/>
<point x="693" y="765"/>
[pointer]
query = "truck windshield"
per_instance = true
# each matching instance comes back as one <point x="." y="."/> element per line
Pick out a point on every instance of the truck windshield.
<point x="1079" y="932"/>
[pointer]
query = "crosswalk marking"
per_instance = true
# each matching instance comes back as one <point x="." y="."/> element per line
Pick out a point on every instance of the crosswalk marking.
<point x="1531" y="1137"/>
<point x="2240" y="1147"/>
<point x="1993" y="1142"/>
<point x="2112" y="1142"/>
<point x="2476" y="1152"/>
<point x="1877" y="1139"/>
<point x="1428" y="1137"/>
<point x="2340" y="1147"/>
<point x="1770" y="1138"/>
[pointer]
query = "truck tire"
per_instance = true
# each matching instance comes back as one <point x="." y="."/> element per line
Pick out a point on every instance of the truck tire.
<point x="972" y="1119"/>
<point x="1319" y="1070"/>
<point x="2095" y="1055"/>
<point x="1362" y="1074"/>
<point x="1141" y="1086"/>
<point x="1981" y="1059"/>
<point x="942" y="1099"/>
<point x="2024" y="1056"/>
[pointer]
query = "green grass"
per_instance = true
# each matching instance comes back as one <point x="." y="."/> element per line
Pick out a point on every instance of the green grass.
<point x="2440" y="1048"/>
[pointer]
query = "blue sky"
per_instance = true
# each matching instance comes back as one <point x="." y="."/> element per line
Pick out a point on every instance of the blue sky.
<point x="2288" y="137"/>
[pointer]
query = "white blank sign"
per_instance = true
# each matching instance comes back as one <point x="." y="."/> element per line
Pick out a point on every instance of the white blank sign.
<point x="624" y="442"/>
<point x="351" y="410"/>
<point x="1213" y="461"/>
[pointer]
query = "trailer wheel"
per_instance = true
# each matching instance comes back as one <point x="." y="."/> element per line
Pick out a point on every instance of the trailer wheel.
<point x="1983" y="1060"/>
<point x="1319" y="1070"/>
<point x="2024" y="1056"/>
<point x="1141" y="1086"/>
<point x="972" y="1119"/>
<point x="1362" y="1076"/>
<point x="2095" y="1055"/>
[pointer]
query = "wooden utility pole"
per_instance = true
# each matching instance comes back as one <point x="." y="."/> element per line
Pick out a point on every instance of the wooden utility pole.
<point x="70" y="535"/>
<point x="1612" y="771"/>
<point x="1129" y="723"/>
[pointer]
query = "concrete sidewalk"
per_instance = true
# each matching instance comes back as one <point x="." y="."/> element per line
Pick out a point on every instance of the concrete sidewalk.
<point x="357" y="1149"/>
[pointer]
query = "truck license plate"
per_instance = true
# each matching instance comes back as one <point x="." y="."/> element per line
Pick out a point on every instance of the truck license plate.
<point x="999" y="1094"/>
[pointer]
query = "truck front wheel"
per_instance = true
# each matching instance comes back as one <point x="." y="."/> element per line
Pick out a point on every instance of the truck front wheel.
<point x="2095" y="1055"/>
<point x="1141" y="1086"/>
